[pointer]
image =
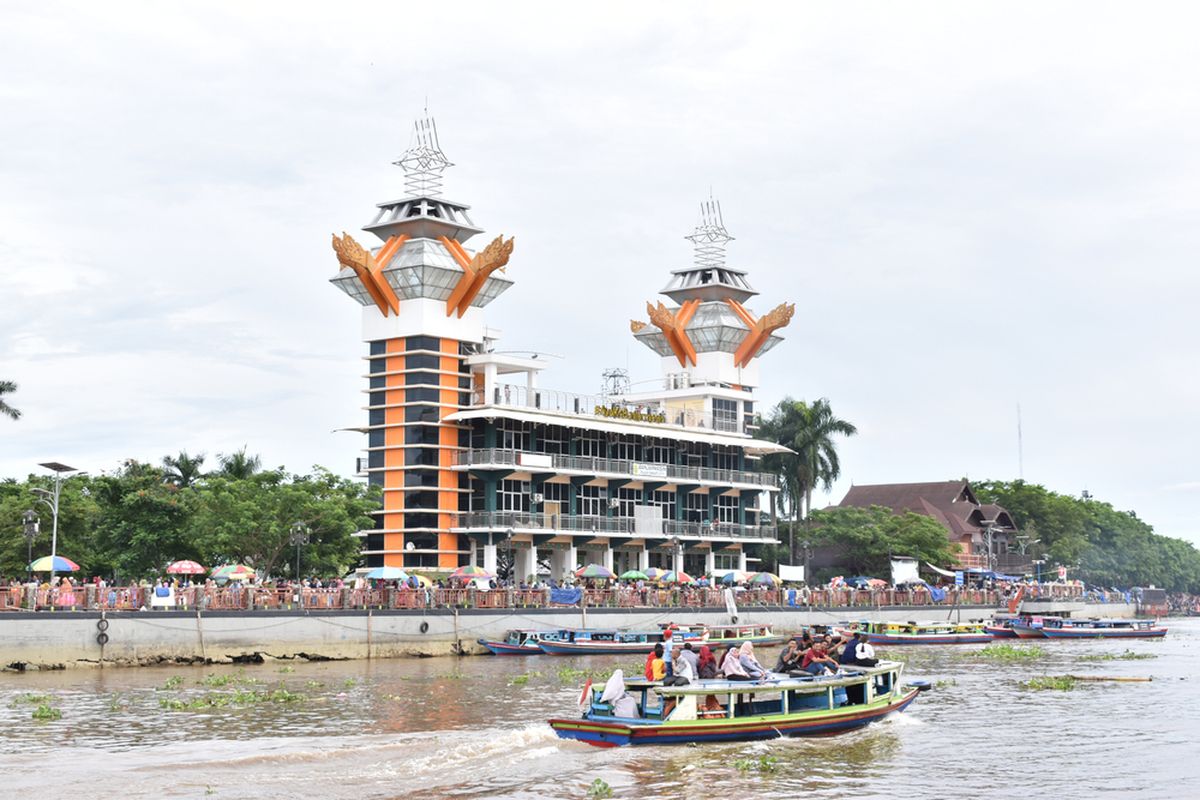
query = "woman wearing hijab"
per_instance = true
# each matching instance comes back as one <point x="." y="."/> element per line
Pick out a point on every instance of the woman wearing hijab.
<point x="732" y="668"/>
<point x="750" y="663"/>
<point x="623" y="703"/>
<point x="707" y="668"/>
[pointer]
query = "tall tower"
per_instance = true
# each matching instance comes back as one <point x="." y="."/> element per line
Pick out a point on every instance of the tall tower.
<point x="709" y="338"/>
<point x="422" y="292"/>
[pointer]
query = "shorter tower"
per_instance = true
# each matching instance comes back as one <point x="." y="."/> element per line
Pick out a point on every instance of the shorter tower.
<point x="422" y="292"/>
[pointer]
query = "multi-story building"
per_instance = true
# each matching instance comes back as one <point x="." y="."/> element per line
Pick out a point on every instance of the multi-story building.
<point x="479" y="463"/>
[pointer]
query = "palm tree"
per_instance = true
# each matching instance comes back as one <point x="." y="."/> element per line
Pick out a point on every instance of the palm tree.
<point x="183" y="470"/>
<point x="809" y="431"/>
<point x="238" y="464"/>
<point x="8" y="387"/>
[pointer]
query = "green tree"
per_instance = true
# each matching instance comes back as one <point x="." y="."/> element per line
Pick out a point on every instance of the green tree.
<point x="810" y="431"/>
<point x="8" y="387"/>
<point x="183" y="470"/>
<point x="143" y="523"/>
<point x="76" y="524"/>
<point x="238" y="464"/>
<point x="867" y="538"/>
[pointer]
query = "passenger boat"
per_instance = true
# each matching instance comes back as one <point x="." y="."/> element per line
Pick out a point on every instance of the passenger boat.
<point x="584" y="641"/>
<point x="721" y="710"/>
<point x="1105" y="629"/>
<point x="1001" y="627"/>
<point x="1033" y="627"/>
<point x="918" y="632"/>
<point x="759" y="635"/>
<point x="521" y="642"/>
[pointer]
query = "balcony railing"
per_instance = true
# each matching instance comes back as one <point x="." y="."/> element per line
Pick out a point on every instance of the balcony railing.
<point x="581" y="523"/>
<point x="515" y="396"/>
<point x="594" y="465"/>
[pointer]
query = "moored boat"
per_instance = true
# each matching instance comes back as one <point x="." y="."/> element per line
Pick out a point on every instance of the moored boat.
<point x="721" y="710"/>
<point x="1106" y="629"/>
<point x="584" y="641"/>
<point x="759" y="635"/>
<point x="1034" y="627"/>
<point x="918" y="632"/>
<point x="521" y="642"/>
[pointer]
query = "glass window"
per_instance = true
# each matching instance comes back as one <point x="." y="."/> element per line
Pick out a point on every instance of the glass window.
<point x="423" y="362"/>
<point x="590" y="502"/>
<point x="423" y="343"/>
<point x="378" y="348"/>
<point x="421" y="477"/>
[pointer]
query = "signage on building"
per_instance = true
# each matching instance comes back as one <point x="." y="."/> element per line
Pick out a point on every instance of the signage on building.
<point x="649" y="470"/>
<point x="535" y="460"/>
<point x="620" y="412"/>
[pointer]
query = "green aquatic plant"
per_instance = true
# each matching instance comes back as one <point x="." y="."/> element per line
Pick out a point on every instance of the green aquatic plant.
<point x="1010" y="653"/>
<point x="216" y="680"/>
<point x="30" y="699"/>
<point x="1042" y="683"/>
<point x="313" y="685"/>
<point x="349" y="683"/>
<point x="287" y="668"/>
<point x="519" y="680"/>
<point x="1128" y="655"/>
<point x="45" y="713"/>
<point x="173" y="682"/>
<point x="599" y="788"/>
<point x="944" y="682"/>
<point x="760" y="764"/>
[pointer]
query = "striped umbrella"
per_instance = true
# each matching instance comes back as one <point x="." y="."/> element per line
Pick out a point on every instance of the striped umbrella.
<point x="676" y="577"/>
<point x="766" y="578"/>
<point x="595" y="571"/>
<point x="654" y="573"/>
<point x="421" y="580"/>
<point x="185" y="567"/>
<point x="734" y="576"/>
<point x="233" y="572"/>
<point x="387" y="574"/>
<point x="471" y="572"/>
<point x="53" y="564"/>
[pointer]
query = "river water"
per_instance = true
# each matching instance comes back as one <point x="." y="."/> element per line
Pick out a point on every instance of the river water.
<point x="475" y="727"/>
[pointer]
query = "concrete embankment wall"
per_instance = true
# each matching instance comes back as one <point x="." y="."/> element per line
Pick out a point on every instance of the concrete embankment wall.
<point x="71" y="639"/>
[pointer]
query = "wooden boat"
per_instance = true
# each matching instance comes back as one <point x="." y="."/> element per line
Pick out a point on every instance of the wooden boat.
<point x="720" y="710"/>
<point x="918" y="632"/>
<point x="584" y="641"/>
<point x="1033" y="627"/>
<point x="1105" y="629"/>
<point x="759" y="635"/>
<point x="1000" y="629"/>
<point x="521" y="642"/>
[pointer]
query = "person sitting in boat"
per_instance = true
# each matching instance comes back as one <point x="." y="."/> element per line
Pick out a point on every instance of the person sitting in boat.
<point x="749" y="663"/>
<point x="790" y="658"/>
<point x="707" y="666"/>
<point x="817" y="661"/>
<point x="849" y="651"/>
<point x="682" y="673"/>
<point x="732" y="667"/>
<point x="623" y="703"/>
<point x="658" y="664"/>
<point x="691" y="657"/>
<point x="864" y="654"/>
<point x="656" y="653"/>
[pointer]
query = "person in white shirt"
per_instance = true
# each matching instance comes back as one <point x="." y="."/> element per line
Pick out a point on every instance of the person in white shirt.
<point x="864" y="654"/>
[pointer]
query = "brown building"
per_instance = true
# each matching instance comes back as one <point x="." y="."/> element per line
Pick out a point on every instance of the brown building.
<point x="954" y="505"/>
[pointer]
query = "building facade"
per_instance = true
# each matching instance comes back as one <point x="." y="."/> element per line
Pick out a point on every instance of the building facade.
<point x="479" y="463"/>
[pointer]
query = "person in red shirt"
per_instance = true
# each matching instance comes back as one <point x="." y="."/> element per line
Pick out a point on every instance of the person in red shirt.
<point x="817" y="660"/>
<point x="656" y="653"/>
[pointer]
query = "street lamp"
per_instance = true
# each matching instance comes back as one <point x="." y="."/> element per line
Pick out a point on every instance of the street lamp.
<point x="31" y="531"/>
<point x="50" y="499"/>
<point x="299" y="538"/>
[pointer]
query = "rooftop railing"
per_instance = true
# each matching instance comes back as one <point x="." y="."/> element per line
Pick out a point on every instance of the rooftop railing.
<point x="595" y="465"/>
<point x="515" y="396"/>
<point x="583" y="523"/>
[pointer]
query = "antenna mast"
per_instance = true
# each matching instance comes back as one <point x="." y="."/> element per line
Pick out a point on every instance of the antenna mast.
<point x="424" y="162"/>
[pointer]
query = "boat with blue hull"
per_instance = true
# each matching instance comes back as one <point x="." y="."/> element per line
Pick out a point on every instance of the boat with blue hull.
<point x="722" y="711"/>
<point x="918" y="632"/>
<point x="1105" y="629"/>
<point x="522" y="642"/>
<point x="610" y="641"/>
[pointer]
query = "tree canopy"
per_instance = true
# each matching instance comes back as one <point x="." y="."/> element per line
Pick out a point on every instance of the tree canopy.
<point x="868" y="538"/>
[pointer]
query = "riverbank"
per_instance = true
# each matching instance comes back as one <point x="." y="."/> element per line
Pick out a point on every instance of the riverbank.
<point x="63" y="640"/>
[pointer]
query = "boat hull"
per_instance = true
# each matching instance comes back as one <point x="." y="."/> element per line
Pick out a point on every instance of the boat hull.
<point x="505" y="649"/>
<point x="1104" y="633"/>
<point x="1026" y="632"/>
<point x="615" y="734"/>
<point x="1000" y="632"/>
<point x="595" y="648"/>
<point x="757" y="641"/>
<point x="922" y="638"/>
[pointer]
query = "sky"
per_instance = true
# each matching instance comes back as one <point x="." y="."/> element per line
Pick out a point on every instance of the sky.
<point x="974" y="206"/>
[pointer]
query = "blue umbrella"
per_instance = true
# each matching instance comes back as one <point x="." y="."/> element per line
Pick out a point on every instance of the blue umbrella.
<point x="387" y="574"/>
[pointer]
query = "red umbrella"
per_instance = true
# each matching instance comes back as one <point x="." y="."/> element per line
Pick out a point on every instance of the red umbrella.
<point x="185" y="567"/>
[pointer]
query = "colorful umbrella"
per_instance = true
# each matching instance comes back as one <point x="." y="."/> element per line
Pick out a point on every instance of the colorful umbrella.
<point x="766" y="578"/>
<point x="595" y="571"/>
<point x="233" y="572"/>
<point x="185" y="567"/>
<point x="421" y="580"/>
<point x="676" y="577"/>
<point x="471" y="572"/>
<point x="734" y="576"/>
<point x="53" y="564"/>
<point x="387" y="574"/>
<point x="654" y="573"/>
<point x="634" y="575"/>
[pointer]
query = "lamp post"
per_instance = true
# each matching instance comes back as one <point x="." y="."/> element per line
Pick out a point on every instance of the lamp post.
<point x="1037" y="563"/>
<point x="50" y="499"/>
<point x="31" y="532"/>
<point x="299" y="538"/>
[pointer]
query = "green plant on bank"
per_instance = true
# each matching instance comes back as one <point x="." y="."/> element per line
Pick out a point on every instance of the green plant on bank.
<point x="599" y="788"/>
<point x="760" y="764"/>
<point x="1011" y="653"/>
<point x="1128" y="655"/>
<point x="1042" y="683"/>
<point x="46" y="713"/>
<point x="29" y="699"/>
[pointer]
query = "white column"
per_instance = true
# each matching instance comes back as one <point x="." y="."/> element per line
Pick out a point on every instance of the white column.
<point x="678" y="559"/>
<point x="489" y="558"/>
<point x="643" y="558"/>
<point x="526" y="563"/>
<point x="742" y="560"/>
<point x="710" y="562"/>
<point x="572" y="558"/>
<point x="608" y="557"/>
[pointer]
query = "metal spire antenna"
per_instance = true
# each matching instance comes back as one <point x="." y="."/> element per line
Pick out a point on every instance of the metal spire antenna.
<point x="710" y="236"/>
<point x="424" y="162"/>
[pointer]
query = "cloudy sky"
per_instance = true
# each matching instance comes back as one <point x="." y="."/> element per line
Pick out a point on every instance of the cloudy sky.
<point x="973" y="205"/>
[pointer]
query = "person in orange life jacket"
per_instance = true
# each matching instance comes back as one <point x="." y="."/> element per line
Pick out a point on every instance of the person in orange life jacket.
<point x="655" y="668"/>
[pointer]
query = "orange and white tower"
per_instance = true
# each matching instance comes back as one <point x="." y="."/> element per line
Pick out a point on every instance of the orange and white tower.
<point x="422" y="292"/>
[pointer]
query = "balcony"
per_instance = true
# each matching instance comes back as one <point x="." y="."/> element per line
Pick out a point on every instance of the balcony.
<point x="515" y="396"/>
<point x="622" y="468"/>
<point x="523" y="522"/>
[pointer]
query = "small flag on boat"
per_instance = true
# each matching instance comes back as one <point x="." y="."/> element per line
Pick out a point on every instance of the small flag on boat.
<point x="587" y="688"/>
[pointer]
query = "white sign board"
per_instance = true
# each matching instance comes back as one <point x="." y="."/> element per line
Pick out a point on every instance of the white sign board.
<point x="649" y="470"/>
<point x="788" y="573"/>
<point x="534" y="460"/>
<point x="904" y="570"/>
